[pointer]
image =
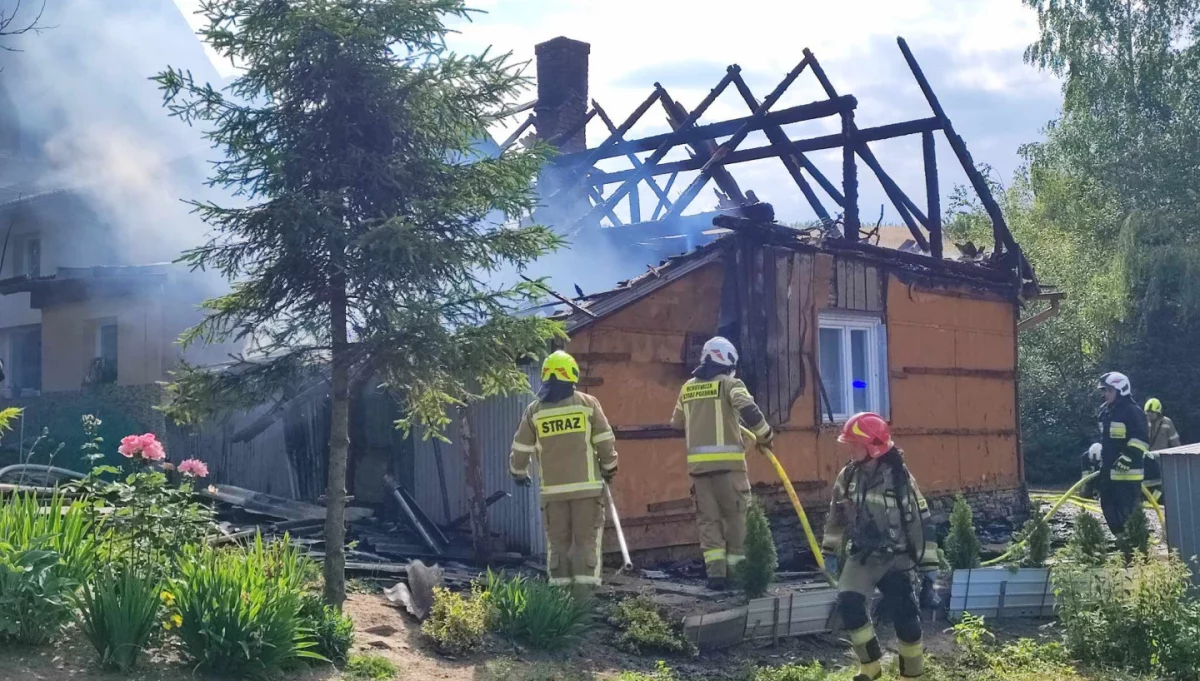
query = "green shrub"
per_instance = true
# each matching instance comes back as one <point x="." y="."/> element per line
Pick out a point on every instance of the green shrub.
<point x="47" y="550"/>
<point x="757" y="571"/>
<point x="1135" y="536"/>
<point x="35" y="602"/>
<point x="962" y="544"/>
<point x="551" y="618"/>
<point x="370" y="668"/>
<point x="1033" y="542"/>
<point x="331" y="631"/>
<point x="1088" y="546"/>
<point x="980" y="659"/>
<point x="118" y="611"/>
<point x="661" y="673"/>
<point x="533" y="612"/>
<point x="644" y="628"/>
<point x="456" y="623"/>
<point x="505" y="597"/>
<point x="790" y="672"/>
<point x="1137" y="618"/>
<point x="240" y="608"/>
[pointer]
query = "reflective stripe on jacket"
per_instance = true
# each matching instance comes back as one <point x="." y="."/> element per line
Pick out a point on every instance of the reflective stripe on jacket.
<point x="572" y="444"/>
<point x="711" y="412"/>
<point x="1125" y="440"/>
<point x="866" y="517"/>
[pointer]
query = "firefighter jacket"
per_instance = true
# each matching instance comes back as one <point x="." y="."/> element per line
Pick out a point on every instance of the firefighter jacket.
<point x="1125" y="441"/>
<point x="1162" y="433"/>
<point x="710" y="412"/>
<point x="572" y="444"/>
<point x="877" y="509"/>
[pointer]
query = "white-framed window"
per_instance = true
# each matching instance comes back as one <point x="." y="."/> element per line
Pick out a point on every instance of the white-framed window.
<point x="106" y="350"/>
<point x="27" y="256"/>
<point x="853" y="361"/>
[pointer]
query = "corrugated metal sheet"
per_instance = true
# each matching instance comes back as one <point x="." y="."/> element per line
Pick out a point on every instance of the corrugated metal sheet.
<point x="260" y="464"/>
<point x="1000" y="592"/>
<point x="518" y="519"/>
<point x="1181" y="492"/>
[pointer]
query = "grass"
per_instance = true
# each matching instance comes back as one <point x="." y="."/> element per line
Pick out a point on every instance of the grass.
<point x="369" y="668"/>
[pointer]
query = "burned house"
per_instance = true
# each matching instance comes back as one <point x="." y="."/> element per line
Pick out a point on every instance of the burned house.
<point x="831" y="318"/>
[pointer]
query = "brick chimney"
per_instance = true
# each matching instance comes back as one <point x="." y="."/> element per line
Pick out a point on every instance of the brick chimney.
<point x="562" y="89"/>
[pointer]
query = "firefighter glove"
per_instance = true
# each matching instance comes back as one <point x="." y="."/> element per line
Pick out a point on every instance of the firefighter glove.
<point x="523" y="481"/>
<point x="1123" y="463"/>
<point x="608" y="475"/>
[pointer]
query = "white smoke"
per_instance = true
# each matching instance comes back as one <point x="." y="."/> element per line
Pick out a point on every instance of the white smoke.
<point x="86" y="106"/>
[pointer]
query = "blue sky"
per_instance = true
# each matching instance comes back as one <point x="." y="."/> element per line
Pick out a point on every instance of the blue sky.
<point x="970" y="51"/>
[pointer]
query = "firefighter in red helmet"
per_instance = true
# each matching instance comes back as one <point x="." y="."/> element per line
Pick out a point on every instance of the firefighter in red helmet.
<point x="880" y="524"/>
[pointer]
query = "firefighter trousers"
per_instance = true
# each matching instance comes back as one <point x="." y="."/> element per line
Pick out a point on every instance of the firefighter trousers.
<point x="721" y="501"/>
<point x="1118" y="501"/>
<point x="574" y="530"/>
<point x="891" y="574"/>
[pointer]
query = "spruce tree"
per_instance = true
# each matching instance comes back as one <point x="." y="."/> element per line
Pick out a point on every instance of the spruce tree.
<point x="757" y="571"/>
<point x="962" y="545"/>
<point x="369" y="222"/>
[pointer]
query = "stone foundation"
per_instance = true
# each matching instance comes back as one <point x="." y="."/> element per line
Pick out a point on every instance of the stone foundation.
<point x="997" y="514"/>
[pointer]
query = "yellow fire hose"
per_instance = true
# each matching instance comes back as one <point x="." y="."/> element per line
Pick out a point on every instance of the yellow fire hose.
<point x="791" y="491"/>
<point x="1162" y="519"/>
<point x="1069" y="495"/>
<point x="1053" y="509"/>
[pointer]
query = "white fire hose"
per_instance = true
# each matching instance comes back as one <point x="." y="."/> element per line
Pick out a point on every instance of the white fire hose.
<point x="612" y="507"/>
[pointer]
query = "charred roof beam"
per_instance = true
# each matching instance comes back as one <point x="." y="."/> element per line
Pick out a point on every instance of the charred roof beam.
<point x="704" y="149"/>
<point x="907" y="209"/>
<point x="791" y="161"/>
<point x="646" y="170"/>
<point x="823" y="142"/>
<point x="731" y="144"/>
<point x="637" y="163"/>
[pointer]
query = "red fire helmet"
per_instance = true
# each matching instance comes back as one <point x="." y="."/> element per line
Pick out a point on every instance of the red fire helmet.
<point x="870" y="431"/>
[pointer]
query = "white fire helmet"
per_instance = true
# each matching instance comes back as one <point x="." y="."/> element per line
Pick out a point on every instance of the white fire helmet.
<point x="1117" y="381"/>
<point x="1094" y="452"/>
<point x="719" y="351"/>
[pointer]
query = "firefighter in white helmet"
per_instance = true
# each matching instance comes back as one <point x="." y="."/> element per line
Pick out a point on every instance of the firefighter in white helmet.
<point x="712" y="407"/>
<point x="565" y="433"/>
<point x="1124" y="440"/>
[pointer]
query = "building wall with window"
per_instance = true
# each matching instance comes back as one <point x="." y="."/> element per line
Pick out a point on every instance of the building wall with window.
<point x="113" y="340"/>
<point x="937" y="359"/>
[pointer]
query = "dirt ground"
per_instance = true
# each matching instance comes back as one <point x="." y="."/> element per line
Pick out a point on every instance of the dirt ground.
<point x="387" y="631"/>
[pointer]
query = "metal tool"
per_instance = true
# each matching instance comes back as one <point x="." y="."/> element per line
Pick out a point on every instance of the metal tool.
<point x="612" y="508"/>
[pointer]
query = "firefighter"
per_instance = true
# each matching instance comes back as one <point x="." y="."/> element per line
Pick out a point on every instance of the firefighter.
<point x="879" y="522"/>
<point x="566" y="433"/>
<point x="711" y="409"/>
<point x="1162" y="436"/>
<point x="1124" y="442"/>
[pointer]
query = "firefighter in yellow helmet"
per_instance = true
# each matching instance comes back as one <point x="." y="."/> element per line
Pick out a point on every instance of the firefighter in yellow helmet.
<point x="711" y="408"/>
<point x="566" y="434"/>
<point x="880" y="522"/>
<point x="1162" y="436"/>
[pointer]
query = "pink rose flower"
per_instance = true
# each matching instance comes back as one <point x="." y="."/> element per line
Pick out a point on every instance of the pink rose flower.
<point x="152" y="449"/>
<point x="131" y="445"/>
<point x="194" y="468"/>
<point x="144" y="446"/>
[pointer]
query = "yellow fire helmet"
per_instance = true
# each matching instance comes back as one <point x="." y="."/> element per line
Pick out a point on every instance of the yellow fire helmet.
<point x="1153" y="406"/>
<point x="562" y="366"/>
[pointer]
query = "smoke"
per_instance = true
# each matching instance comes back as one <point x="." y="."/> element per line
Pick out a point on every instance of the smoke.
<point x="91" y="120"/>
